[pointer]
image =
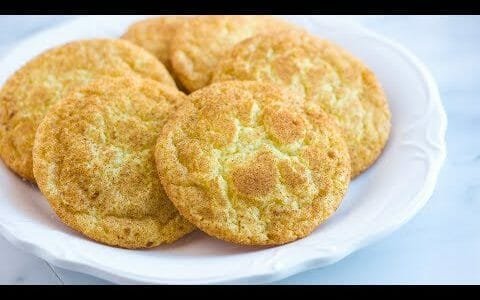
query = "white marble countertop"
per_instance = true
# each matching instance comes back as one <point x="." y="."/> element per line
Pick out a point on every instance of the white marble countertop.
<point x="441" y="244"/>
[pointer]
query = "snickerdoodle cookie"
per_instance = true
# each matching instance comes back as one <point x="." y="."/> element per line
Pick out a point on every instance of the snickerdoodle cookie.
<point x="28" y="93"/>
<point x="246" y="162"/>
<point x="93" y="159"/>
<point x="200" y="42"/>
<point x="155" y="34"/>
<point x="326" y="75"/>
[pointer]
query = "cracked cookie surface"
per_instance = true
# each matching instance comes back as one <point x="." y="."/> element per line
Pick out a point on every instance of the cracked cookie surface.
<point x="200" y="41"/>
<point x="155" y="35"/>
<point x="326" y="75"/>
<point x="29" y="92"/>
<point x="93" y="159"/>
<point x="246" y="162"/>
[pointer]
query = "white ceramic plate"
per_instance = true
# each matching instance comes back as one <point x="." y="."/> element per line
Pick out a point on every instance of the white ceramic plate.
<point x="378" y="202"/>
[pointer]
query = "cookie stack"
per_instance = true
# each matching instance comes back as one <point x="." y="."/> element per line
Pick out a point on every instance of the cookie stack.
<point x="246" y="127"/>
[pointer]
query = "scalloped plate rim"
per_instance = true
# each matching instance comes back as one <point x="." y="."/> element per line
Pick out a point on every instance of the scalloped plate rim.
<point x="77" y="263"/>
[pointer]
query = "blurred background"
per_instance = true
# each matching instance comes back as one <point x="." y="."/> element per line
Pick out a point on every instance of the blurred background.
<point x="441" y="244"/>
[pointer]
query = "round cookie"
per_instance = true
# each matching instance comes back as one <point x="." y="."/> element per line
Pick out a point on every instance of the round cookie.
<point x="246" y="162"/>
<point x="200" y="41"/>
<point x="29" y="92"/>
<point x="327" y="76"/>
<point x="155" y="35"/>
<point x="93" y="159"/>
